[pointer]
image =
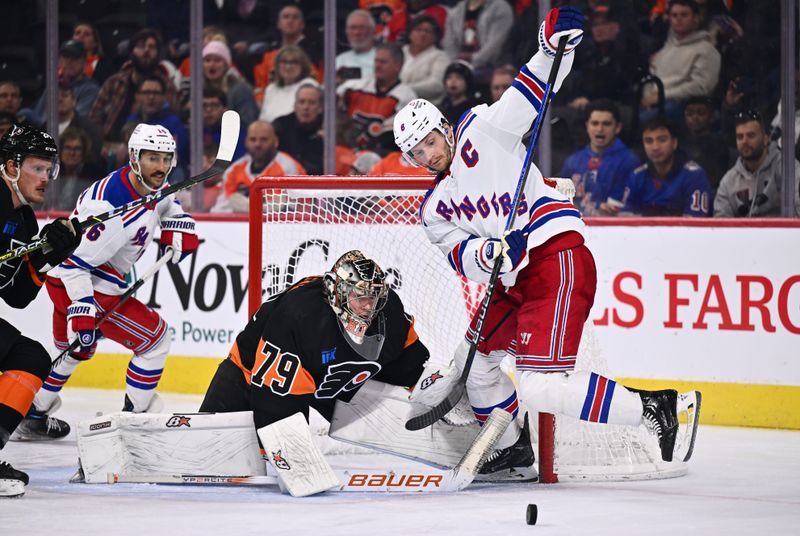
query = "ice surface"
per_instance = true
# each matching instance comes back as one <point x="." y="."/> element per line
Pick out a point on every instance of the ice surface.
<point x="741" y="481"/>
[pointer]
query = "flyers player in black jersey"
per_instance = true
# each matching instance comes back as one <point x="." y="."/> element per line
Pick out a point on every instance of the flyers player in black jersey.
<point x="318" y="342"/>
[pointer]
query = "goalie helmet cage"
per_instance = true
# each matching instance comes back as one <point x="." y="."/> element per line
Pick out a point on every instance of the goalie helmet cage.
<point x="300" y="225"/>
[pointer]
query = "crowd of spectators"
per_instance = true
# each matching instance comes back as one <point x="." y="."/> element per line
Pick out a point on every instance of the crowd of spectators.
<point x="711" y="147"/>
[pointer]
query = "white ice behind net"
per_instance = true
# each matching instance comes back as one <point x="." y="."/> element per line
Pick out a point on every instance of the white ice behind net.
<point x="305" y="231"/>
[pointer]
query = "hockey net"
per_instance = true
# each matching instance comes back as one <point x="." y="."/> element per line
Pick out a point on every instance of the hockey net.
<point x="300" y="225"/>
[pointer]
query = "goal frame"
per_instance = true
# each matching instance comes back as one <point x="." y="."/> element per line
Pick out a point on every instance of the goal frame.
<point x="546" y="436"/>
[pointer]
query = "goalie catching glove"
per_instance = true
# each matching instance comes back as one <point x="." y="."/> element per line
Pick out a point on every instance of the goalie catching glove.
<point x="62" y="237"/>
<point x="81" y="321"/>
<point x="178" y="234"/>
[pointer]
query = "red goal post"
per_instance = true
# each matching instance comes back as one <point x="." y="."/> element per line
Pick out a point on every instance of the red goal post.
<point x="300" y="225"/>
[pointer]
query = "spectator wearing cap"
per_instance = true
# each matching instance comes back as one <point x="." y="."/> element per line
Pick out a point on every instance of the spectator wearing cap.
<point x="400" y="23"/>
<point x="71" y="65"/>
<point x="702" y="142"/>
<point x="687" y="64"/>
<point x="153" y="110"/>
<point x="424" y="62"/>
<point x="292" y="70"/>
<point x="357" y="62"/>
<point x="752" y="187"/>
<point x="217" y="72"/>
<point x="476" y="31"/>
<point x="459" y="91"/>
<point x="116" y="99"/>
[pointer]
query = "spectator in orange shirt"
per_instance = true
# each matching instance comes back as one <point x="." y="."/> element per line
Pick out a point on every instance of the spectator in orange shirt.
<point x="395" y="165"/>
<point x="262" y="158"/>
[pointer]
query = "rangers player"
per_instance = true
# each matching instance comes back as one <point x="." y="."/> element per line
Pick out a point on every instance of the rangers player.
<point x="92" y="279"/>
<point x="29" y="163"/>
<point x="548" y="277"/>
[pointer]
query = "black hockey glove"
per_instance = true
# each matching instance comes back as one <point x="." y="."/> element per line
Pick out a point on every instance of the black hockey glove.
<point x="62" y="238"/>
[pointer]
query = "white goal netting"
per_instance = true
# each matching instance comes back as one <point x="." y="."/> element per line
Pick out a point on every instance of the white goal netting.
<point x="299" y="226"/>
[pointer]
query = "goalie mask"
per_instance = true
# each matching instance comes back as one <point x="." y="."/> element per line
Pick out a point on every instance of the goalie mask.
<point x="150" y="138"/>
<point x="414" y="122"/>
<point x="356" y="291"/>
<point x="21" y="142"/>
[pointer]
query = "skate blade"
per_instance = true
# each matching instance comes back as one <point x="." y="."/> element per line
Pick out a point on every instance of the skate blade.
<point x="688" y="405"/>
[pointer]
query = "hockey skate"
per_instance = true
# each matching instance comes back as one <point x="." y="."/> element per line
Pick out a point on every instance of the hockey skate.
<point x="39" y="426"/>
<point x="156" y="405"/>
<point x="12" y="482"/>
<point x="512" y="464"/>
<point x="688" y="405"/>
<point x="660" y="416"/>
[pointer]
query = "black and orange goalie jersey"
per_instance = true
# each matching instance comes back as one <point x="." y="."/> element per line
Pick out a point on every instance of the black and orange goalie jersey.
<point x="294" y="354"/>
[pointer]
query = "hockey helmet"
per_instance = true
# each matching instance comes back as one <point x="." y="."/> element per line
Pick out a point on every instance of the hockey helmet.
<point x="150" y="138"/>
<point x="356" y="279"/>
<point x="23" y="141"/>
<point x="415" y="121"/>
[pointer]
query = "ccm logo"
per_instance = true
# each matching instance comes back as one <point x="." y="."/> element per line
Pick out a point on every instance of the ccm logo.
<point x="393" y="480"/>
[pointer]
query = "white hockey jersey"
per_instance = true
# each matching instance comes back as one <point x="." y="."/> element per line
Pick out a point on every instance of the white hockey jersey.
<point x="471" y="201"/>
<point x="109" y="249"/>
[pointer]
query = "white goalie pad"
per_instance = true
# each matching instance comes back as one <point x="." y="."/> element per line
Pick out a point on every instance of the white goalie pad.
<point x="299" y="464"/>
<point x="376" y="416"/>
<point x="169" y="443"/>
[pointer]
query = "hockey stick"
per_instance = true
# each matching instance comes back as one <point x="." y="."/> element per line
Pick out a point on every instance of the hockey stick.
<point x="370" y="480"/>
<point x="150" y="272"/>
<point x="228" y="139"/>
<point x="440" y="410"/>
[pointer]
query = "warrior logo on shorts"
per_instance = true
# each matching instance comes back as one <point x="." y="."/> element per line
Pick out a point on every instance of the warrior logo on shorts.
<point x="279" y="461"/>
<point x="430" y="380"/>
<point x="176" y="421"/>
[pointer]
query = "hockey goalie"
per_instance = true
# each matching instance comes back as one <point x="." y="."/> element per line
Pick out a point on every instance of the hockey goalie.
<point x="315" y="345"/>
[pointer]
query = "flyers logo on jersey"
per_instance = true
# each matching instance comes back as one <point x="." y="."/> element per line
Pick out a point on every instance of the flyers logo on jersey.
<point x="279" y="461"/>
<point x="344" y="377"/>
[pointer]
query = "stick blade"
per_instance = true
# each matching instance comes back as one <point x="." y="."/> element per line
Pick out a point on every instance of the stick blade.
<point x="437" y="412"/>
<point x="229" y="135"/>
<point x="466" y="470"/>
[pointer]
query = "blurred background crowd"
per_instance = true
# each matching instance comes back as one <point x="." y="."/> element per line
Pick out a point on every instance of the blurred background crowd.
<point x="663" y="94"/>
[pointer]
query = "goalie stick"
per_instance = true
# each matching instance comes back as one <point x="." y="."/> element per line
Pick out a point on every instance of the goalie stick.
<point x="122" y="299"/>
<point x="228" y="140"/>
<point x="442" y="408"/>
<point x="354" y="480"/>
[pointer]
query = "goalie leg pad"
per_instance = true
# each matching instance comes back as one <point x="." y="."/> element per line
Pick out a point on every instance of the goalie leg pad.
<point x="300" y="465"/>
<point x="168" y="443"/>
<point x="582" y="395"/>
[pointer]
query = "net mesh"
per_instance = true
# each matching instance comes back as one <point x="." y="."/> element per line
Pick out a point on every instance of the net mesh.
<point x="306" y="229"/>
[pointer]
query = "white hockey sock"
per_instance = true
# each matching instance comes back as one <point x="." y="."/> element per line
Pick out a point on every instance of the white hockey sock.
<point x="587" y="396"/>
<point x="488" y="387"/>
<point x="144" y="373"/>
<point x="62" y="370"/>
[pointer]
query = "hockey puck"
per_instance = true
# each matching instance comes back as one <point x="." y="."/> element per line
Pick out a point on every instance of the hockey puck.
<point x="531" y="514"/>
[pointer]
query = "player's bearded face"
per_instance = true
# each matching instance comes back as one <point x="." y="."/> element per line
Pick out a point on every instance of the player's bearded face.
<point x="155" y="167"/>
<point x="433" y="152"/>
